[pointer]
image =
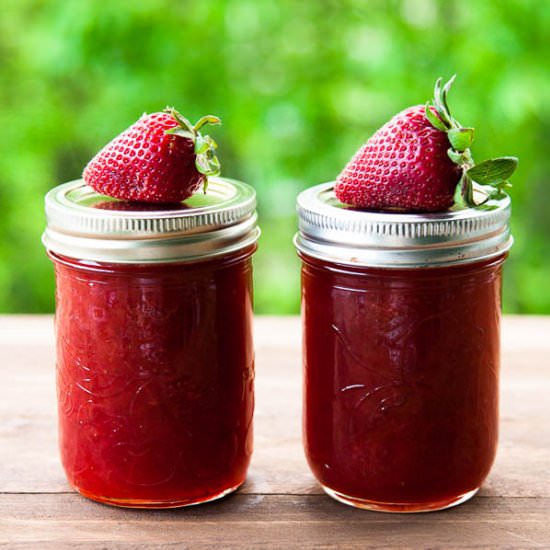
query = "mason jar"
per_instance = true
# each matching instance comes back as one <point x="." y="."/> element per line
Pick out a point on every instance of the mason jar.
<point x="155" y="364"/>
<point x="401" y="322"/>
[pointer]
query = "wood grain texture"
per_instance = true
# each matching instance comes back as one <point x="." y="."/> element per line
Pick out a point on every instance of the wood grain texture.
<point x="281" y="505"/>
<point x="269" y="522"/>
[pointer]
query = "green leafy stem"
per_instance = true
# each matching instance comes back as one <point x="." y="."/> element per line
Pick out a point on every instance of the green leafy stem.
<point x="491" y="174"/>
<point x="206" y="161"/>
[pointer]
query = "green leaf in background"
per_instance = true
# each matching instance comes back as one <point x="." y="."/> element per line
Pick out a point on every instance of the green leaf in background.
<point x="490" y="172"/>
<point x="299" y="86"/>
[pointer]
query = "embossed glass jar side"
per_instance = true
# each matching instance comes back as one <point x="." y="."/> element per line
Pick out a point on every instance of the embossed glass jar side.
<point x="155" y="379"/>
<point x="401" y="328"/>
<point x="155" y="362"/>
<point x="401" y="381"/>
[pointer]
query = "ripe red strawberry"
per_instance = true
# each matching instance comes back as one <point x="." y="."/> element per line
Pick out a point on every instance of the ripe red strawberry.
<point x="162" y="158"/>
<point x="416" y="160"/>
<point x="403" y="166"/>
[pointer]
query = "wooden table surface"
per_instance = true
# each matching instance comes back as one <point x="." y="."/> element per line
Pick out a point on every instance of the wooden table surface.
<point x="281" y="505"/>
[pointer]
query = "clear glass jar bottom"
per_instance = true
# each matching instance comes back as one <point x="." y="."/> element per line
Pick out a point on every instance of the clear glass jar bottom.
<point x="158" y="504"/>
<point x="397" y="507"/>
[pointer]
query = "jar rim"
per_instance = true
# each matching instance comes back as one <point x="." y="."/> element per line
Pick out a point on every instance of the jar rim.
<point x="329" y="230"/>
<point x="86" y="225"/>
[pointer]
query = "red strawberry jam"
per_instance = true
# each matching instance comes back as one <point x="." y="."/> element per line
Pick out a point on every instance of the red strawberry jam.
<point x="401" y="380"/>
<point x="155" y="363"/>
<point x="401" y="319"/>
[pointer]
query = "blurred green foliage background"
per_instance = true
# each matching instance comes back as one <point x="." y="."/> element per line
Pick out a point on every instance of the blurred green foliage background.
<point x="299" y="86"/>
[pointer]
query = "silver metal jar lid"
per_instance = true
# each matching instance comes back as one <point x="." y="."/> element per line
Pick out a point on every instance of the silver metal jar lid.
<point x="329" y="230"/>
<point x="85" y="225"/>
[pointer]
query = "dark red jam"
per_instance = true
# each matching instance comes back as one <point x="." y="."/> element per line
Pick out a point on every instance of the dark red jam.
<point x="155" y="372"/>
<point x="401" y="381"/>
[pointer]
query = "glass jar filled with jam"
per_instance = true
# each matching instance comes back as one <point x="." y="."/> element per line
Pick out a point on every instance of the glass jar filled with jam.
<point x="401" y="316"/>
<point x="155" y="364"/>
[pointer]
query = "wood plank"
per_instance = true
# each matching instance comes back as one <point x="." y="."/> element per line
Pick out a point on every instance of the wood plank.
<point x="268" y="522"/>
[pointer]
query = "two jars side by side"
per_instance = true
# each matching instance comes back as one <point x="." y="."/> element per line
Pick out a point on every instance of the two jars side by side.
<point x="401" y="347"/>
<point x="155" y="362"/>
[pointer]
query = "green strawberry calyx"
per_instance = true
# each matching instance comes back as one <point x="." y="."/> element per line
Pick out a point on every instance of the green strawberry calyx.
<point x="492" y="175"/>
<point x="206" y="161"/>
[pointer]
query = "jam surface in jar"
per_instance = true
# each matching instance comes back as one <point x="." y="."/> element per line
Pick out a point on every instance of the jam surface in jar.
<point x="155" y="372"/>
<point x="401" y="381"/>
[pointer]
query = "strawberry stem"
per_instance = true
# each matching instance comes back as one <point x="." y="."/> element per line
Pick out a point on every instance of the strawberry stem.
<point x="491" y="174"/>
<point x="207" y="119"/>
<point x="206" y="161"/>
